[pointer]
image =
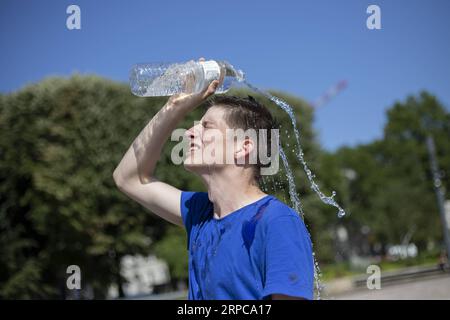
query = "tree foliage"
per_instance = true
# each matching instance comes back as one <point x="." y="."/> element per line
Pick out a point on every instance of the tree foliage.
<point x="393" y="193"/>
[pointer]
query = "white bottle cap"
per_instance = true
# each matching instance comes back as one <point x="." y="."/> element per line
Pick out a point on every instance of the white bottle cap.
<point x="211" y="70"/>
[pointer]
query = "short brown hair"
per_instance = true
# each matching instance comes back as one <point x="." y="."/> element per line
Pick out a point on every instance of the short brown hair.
<point x="247" y="113"/>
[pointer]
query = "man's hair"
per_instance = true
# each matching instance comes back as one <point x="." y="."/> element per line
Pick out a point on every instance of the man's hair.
<point x="247" y="113"/>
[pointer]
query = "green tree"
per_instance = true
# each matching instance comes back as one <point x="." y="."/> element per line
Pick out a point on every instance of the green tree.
<point x="393" y="192"/>
<point x="61" y="140"/>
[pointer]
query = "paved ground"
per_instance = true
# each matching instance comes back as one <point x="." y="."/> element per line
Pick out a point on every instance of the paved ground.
<point x="435" y="288"/>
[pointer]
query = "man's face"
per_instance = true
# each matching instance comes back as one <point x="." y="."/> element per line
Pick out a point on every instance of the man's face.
<point x="208" y="141"/>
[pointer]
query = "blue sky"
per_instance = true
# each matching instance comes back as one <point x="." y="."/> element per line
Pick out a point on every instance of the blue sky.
<point x="301" y="47"/>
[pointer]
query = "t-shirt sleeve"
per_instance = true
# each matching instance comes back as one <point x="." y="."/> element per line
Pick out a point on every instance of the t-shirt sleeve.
<point x="289" y="266"/>
<point x="194" y="207"/>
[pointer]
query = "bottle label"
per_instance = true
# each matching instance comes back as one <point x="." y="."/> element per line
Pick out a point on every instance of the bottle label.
<point x="211" y="70"/>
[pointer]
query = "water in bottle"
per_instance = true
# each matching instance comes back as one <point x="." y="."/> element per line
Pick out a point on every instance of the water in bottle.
<point x="166" y="79"/>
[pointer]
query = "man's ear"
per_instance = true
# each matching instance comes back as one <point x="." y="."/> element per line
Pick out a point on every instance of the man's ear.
<point x="243" y="150"/>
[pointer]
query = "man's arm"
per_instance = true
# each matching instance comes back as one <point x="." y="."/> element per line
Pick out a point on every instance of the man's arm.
<point x="134" y="175"/>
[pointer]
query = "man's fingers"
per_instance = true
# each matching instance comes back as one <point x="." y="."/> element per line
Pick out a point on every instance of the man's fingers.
<point x="211" y="89"/>
<point x="215" y="85"/>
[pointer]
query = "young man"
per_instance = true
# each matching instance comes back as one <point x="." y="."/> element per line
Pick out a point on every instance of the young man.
<point x="243" y="243"/>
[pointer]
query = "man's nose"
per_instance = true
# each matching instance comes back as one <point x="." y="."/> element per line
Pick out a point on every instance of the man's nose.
<point x="194" y="130"/>
<point x="189" y="133"/>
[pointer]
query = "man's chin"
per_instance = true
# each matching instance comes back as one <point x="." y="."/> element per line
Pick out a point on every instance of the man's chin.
<point x="199" y="167"/>
<point x="193" y="167"/>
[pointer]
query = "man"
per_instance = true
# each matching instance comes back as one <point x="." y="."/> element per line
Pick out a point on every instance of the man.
<point x="243" y="243"/>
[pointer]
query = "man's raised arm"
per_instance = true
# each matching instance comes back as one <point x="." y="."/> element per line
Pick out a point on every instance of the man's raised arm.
<point x="134" y="175"/>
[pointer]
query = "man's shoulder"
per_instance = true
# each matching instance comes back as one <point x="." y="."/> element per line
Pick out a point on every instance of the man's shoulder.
<point x="277" y="209"/>
<point x="281" y="218"/>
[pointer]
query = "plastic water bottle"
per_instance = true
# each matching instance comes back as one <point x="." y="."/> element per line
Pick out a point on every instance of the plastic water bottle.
<point x="166" y="79"/>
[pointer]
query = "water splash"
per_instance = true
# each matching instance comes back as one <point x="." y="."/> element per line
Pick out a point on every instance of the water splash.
<point x="295" y="200"/>
<point x="317" y="278"/>
<point x="300" y="155"/>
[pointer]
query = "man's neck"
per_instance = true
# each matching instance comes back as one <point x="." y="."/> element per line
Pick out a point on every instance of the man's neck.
<point x="230" y="191"/>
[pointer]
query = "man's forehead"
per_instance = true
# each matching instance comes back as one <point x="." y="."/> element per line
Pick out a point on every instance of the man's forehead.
<point x="214" y="114"/>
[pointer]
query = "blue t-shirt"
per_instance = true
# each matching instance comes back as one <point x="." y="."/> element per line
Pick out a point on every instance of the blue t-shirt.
<point x="260" y="249"/>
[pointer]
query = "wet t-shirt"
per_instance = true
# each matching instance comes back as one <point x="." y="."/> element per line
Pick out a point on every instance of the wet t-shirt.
<point x="258" y="250"/>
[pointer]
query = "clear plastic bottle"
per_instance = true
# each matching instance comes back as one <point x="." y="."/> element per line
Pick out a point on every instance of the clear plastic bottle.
<point x="166" y="79"/>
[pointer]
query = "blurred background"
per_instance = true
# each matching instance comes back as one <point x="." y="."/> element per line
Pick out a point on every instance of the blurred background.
<point x="372" y="107"/>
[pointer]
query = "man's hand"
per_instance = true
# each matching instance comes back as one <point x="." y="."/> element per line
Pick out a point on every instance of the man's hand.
<point x="193" y="100"/>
